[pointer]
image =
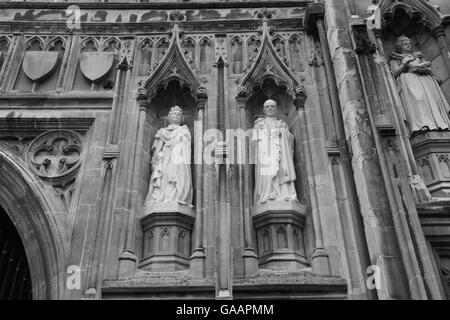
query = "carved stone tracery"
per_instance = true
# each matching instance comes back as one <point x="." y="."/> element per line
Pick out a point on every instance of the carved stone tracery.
<point x="55" y="156"/>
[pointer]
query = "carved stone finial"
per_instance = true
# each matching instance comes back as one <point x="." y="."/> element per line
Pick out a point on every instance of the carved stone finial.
<point x="264" y="14"/>
<point x="126" y="51"/>
<point x="177" y="16"/>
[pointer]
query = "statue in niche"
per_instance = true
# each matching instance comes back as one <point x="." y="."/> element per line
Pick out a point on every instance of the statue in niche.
<point x="425" y="104"/>
<point x="170" y="181"/>
<point x="275" y="173"/>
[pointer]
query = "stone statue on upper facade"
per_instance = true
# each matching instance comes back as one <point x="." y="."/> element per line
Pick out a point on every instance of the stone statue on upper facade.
<point x="275" y="173"/>
<point x="424" y="102"/>
<point x="170" y="181"/>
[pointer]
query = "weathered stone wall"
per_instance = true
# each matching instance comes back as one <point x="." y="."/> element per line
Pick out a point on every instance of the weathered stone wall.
<point x="220" y="63"/>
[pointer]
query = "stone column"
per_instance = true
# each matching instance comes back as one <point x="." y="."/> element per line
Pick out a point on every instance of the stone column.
<point x="342" y="169"/>
<point x="373" y="199"/>
<point x="320" y="259"/>
<point x="197" y="264"/>
<point x="439" y="34"/>
<point x="128" y="259"/>
<point x="249" y="255"/>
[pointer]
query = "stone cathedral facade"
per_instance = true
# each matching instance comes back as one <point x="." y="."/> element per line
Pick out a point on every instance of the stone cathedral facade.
<point x="100" y="99"/>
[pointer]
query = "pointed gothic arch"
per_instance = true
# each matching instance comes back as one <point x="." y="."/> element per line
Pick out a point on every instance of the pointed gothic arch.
<point x="417" y="10"/>
<point x="268" y="64"/>
<point x="39" y="224"/>
<point x="173" y="67"/>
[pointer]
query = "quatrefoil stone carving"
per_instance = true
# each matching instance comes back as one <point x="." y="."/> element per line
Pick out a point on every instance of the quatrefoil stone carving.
<point x="55" y="156"/>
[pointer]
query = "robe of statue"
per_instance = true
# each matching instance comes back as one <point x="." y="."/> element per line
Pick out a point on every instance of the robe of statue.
<point x="274" y="170"/>
<point x="425" y="105"/>
<point x="171" y="177"/>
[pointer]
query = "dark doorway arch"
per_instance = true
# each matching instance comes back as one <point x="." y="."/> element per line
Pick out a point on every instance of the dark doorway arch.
<point x="39" y="221"/>
<point x="15" y="278"/>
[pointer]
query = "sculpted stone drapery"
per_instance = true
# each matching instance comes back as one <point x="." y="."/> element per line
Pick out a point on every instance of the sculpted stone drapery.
<point x="170" y="180"/>
<point x="275" y="174"/>
<point x="425" y="105"/>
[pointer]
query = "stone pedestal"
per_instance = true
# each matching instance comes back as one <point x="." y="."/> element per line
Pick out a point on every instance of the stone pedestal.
<point x="279" y="231"/>
<point x="167" y="237"/>
<point x="432" y="153"/>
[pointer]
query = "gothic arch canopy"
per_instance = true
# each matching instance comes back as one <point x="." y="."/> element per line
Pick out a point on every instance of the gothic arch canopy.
<point x="39" y="224"/>
<point x="268" y="64"/>
<point x="420" y="10"/>
<point x="173" y="66"/>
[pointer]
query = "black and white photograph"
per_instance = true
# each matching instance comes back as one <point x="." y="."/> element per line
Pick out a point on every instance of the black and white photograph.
<point x="233" y="157"/>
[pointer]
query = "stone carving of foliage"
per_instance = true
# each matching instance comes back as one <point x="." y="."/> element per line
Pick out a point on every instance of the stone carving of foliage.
<point x="55" y="156"/>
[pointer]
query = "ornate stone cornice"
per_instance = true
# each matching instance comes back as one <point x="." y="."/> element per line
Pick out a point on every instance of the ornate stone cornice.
<point x="200" y="27"/>
<point x="152" y="5"/>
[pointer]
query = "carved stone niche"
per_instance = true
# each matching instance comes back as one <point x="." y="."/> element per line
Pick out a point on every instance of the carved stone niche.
<point x="279" y="232"/>
<point x="167" y="237"/>
<point x="432" y="154"/>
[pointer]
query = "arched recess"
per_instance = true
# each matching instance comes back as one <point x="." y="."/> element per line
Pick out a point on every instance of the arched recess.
<point x="417" y="10"/>
<point x="173" y="82"/>
<point x="423" y="23"/>
<point x="174" y="66"/>
<point x="39" y="224"/>
<point x="269" y="77"/>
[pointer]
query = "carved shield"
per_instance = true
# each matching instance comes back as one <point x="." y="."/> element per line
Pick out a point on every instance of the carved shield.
<point x="39" y="64"/>
<point x="95" y="65"/>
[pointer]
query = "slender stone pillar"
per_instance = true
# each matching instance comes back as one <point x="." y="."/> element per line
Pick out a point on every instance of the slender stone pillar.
<point x="197" y="264"/>
<point x="103" y="224"/>
<point x="249" y="254"/>
<point x="439" y="34"/>
<point x="224" y="283"/>
<point x="320" y="258"/>
<point x="373" y="199"/>
<point x="128" y="259"/>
